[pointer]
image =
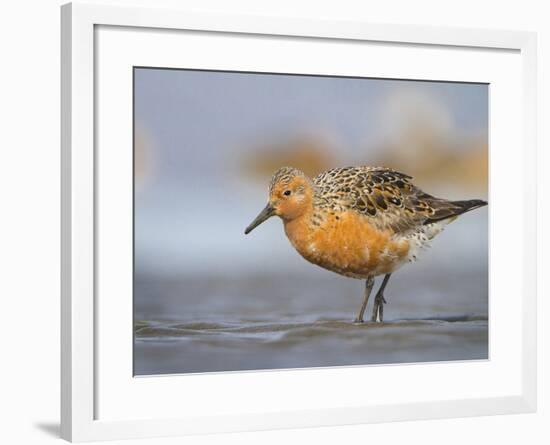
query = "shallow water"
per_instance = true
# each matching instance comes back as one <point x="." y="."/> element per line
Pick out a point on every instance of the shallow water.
<point x="227" y="323"/>
<point x="253" y="344"/>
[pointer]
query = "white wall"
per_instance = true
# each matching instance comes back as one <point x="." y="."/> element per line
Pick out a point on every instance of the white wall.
<point x="29" y="221"/>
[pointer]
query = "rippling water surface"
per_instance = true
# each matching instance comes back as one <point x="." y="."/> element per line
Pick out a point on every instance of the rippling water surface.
<point x="253" y="344"/>
<point x="228" y="323"/>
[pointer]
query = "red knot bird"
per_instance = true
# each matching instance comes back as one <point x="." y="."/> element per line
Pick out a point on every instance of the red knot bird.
<point x="360" y="222"/>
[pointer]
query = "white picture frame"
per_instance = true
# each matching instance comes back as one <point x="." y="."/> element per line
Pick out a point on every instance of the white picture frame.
<point x="86" y="410"/>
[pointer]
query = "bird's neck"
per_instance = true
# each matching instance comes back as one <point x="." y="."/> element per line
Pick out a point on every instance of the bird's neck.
<point x="298" y="229"/>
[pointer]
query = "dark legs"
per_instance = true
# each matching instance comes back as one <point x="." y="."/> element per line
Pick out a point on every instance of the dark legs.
<point x="368" y="289"/>
<point x="379" y="301"/>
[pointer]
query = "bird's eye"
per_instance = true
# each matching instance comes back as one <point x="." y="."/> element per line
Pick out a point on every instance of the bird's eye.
<point x="287" y="192"/>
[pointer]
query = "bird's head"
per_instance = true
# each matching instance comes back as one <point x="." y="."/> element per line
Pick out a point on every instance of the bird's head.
<point x="290" y="196"/>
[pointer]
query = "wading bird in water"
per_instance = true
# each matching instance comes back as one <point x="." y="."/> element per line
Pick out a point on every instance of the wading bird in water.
<point x="360" y="222"/>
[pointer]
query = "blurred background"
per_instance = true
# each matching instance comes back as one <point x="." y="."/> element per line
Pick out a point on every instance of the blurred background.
<point x="207" y="298"/>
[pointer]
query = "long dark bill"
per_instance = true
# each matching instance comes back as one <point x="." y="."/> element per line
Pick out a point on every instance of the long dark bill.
<point x="266" y="213"/>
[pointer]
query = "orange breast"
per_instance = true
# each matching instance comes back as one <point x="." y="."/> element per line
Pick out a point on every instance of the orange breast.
<point x="347" y="244"/>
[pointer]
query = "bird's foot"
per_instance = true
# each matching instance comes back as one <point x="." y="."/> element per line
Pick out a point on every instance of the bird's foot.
<point x="378" y="309"/>
<point x="358" y="321"/>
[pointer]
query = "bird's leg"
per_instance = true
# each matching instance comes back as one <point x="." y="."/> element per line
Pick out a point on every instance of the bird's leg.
<point x="379" y="301"/>
<point x="369" y="284"/>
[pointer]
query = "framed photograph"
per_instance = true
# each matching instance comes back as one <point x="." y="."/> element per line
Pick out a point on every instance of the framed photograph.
<point x="278" y="222"/>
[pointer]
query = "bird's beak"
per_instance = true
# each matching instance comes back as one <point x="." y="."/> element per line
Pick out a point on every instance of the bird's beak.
<point x="266" y="213"/>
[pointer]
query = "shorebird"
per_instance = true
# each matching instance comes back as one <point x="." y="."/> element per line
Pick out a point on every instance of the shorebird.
<point x="360" y="222"/>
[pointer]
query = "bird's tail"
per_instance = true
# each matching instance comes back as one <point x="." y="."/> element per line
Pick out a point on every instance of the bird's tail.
<point x="469" y="204"/>
<point x="452" y="209"/>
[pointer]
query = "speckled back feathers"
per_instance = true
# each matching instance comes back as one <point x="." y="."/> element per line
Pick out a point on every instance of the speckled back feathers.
<point x="387" y="197"/>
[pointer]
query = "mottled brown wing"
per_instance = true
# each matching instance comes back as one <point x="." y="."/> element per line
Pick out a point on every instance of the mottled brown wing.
<point x="386" y="196"/>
